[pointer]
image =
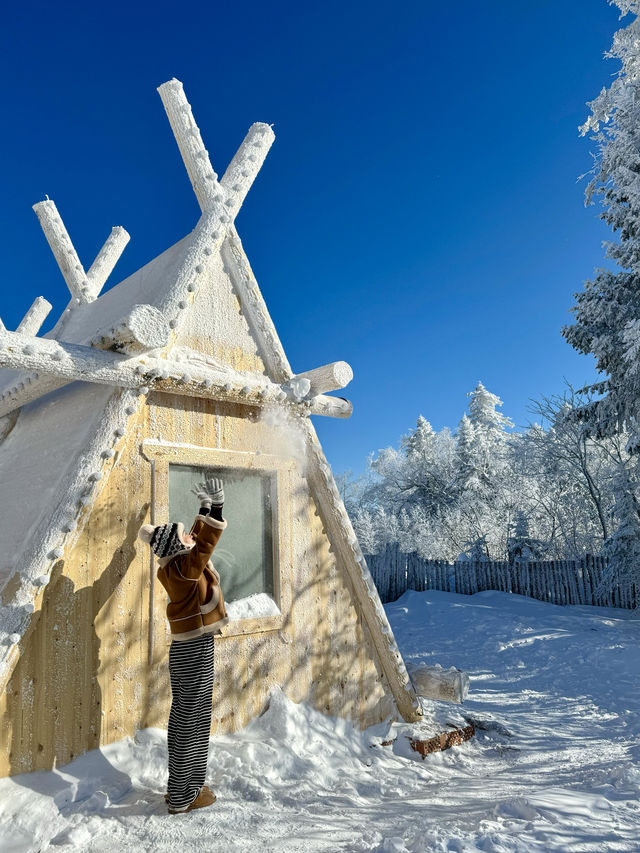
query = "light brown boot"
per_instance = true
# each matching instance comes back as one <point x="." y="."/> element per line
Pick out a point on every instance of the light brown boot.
<point x="205" y="797"/>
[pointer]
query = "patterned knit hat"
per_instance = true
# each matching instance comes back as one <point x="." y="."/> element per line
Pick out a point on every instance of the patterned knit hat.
<point x="165" y="539"/>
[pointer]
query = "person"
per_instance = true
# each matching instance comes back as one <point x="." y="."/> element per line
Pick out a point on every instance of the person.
<point x="196" y="612"/>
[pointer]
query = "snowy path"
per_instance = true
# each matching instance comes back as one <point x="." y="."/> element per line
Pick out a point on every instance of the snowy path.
<point x="557" y="766"/>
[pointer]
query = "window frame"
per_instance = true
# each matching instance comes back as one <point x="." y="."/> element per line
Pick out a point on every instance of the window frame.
<point x="280" y="469"/>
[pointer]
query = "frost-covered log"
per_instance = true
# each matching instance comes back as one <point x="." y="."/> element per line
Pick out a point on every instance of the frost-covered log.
<point x="35" y="316"/>
<point x="247" y="162"/>
<point x="143" y="329"/>
<point x="106" y="259"/>
<point x="63" y="250"/>
<point x="328" y="377"/>
<point x="82" y="286"/>
<point x="434" y="682"/>
<point x="194" y="154"/>
<point x="64" y="362"/>
<point x="243" y="168"/>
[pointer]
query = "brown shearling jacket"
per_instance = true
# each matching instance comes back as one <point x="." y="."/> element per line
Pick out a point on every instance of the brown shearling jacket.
<point x="196" y="603"/>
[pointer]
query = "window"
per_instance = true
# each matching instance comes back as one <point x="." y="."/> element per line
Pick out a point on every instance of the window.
<point x="244" y="554"/>
<point x="254" y="554"/>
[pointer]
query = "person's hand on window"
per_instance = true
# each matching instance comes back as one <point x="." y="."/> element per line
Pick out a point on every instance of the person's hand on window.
<point x="210" y="493"/>
<point x="203" y="496"/>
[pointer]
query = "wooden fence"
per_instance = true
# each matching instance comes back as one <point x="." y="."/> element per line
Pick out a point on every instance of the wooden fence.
<point x="556" y="581"/>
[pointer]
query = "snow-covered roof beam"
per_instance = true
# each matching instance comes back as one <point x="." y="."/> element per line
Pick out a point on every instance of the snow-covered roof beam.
<point x="35" y="316"/>
<point x="329" y="377"/>
<point x="106" y="259"/>
<point x="82" y="286"/>
<point x="242" y="170"/>
<point x="143" y="329"/>
<point x="247" y="162"/>
<point x="69" y="362"/>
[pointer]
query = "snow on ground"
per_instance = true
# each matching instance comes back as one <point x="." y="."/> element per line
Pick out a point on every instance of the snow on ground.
<point x="555" y="764"/>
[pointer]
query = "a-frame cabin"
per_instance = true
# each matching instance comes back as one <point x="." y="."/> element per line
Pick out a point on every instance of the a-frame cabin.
<point x="105" y="422"/>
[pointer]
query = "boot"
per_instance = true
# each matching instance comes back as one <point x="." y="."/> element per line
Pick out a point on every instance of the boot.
<point x="205" y="797"/>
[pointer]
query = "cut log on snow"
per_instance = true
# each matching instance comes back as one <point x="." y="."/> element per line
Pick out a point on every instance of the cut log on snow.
<point x="329" y="377"/>
<point x="445" y="740"/>
<point x="433" y="682"/>
<point x="143" y="329"/>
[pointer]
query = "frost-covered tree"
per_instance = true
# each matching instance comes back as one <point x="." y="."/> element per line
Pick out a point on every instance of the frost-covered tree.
<point x="485" y="497"/>
<point x="623" y="547"/>
<point x="607" y="311"/>
<point x="475" y="550"/>
<point x="469" y="474"/>
<point x="523" y="546"/>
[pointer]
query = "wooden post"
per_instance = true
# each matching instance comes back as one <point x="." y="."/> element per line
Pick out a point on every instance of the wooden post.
<point x="247" y="162"/>
<point x="194" y="155"/>
<point x="106" y="259"/>
<point x="329" y="377"/>
<point x="35" y="316"/>
<point x="63" y="250"/>
<point x="142" y="329"/>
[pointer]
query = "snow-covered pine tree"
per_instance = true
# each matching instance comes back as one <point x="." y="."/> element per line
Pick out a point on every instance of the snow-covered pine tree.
<point x="475" y="550"/>
<point x="489" y="428"/>
<point x="483" y="485"/>
<point x="623" y="547"/>
<point x="523" y="546"/>
<point x="419" y="443"/>
<point x="469" y="474"/>
<point x="607" y="311"/>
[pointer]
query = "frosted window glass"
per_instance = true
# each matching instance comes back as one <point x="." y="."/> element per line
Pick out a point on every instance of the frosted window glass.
<point x="243" y="556"/>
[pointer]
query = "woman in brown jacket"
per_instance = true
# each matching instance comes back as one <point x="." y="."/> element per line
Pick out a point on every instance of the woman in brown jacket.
<point x="196" y="612"/>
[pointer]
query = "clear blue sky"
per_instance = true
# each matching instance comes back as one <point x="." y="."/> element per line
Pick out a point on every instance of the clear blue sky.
<point x="419" y="214"/>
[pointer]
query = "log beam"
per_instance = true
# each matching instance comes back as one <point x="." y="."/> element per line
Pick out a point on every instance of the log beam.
<point x="84" y="287"/>
<point x="63" y="250"/>
<point x="62" y="363"/>
<point x="143" y="329"/>
<point x="35" y="316"/>
<point x="329" y="377"/>
<point x="106" y="259"/>
<point x="194" y="155"/>
<point x="243" y="168"/>
<point x="245" y="165"/>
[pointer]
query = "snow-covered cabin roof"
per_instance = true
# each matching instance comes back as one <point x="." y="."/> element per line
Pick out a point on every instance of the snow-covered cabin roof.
<point x="62" y="444"/>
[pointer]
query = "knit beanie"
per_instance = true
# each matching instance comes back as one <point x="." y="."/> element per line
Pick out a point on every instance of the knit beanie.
<point x="165" y="539"/>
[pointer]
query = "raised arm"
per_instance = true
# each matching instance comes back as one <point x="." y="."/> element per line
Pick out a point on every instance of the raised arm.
<point x="207" y="527"/>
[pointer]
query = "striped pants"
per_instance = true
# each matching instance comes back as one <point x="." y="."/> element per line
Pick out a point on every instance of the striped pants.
<point x="191" y="673"/>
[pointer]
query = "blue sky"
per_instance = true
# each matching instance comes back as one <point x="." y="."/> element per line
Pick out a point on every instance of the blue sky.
<point x="419" y="214"/>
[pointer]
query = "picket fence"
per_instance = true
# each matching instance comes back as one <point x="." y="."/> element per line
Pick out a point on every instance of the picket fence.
<point x="556" y="581"/>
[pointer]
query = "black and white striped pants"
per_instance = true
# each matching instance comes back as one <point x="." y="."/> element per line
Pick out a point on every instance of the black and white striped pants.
<point x="191" y="673"/>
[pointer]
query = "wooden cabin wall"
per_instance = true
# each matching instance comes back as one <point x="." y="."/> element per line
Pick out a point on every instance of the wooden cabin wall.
<point x="84" y="677"/>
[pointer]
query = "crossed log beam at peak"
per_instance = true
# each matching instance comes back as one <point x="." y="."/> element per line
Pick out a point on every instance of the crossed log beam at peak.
<point x="54" y="363"/>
